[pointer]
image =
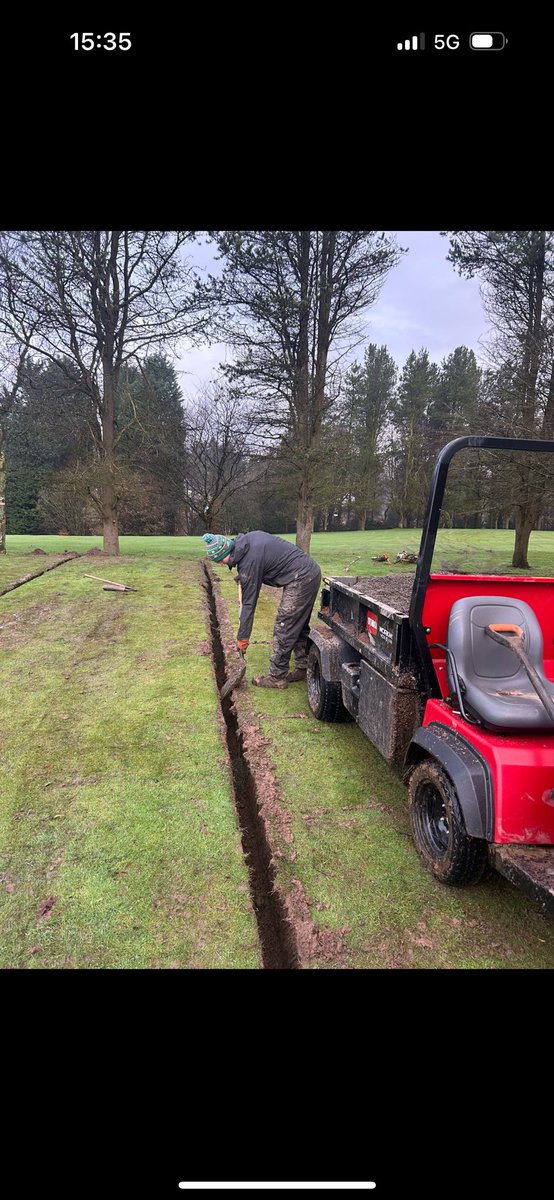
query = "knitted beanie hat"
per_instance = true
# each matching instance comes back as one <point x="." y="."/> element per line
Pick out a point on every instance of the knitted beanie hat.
<point x="217" y="545"/>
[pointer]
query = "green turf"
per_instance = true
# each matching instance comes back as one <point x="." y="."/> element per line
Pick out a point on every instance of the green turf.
<point x="150" y="547"/>
<point x="338" y="553"/>
<point x="115" y="787"/>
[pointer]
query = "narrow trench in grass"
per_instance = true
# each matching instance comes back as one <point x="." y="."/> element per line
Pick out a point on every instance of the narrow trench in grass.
<point x="275" y="931"/>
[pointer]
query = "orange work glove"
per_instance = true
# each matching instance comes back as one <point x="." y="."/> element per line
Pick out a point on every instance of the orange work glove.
<point x="242" y="646"/>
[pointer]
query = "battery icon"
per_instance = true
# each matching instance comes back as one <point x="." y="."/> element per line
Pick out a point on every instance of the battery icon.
<point x="487" y="41"/>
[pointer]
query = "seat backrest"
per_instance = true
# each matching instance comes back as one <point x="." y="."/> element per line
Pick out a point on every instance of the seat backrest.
<point x="478" y="657"/>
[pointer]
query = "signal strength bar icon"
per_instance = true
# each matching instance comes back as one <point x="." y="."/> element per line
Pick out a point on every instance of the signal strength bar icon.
<point x="413" y="43"/>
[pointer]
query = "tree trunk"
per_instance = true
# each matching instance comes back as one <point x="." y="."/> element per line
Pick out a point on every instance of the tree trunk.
<point x="2" y="492"/>
<point x="111" y="534"/>
<point x="362" y="518"/>
<point x="109" y="501"/>
<point x="304" y="518"/>
<point x="525" y="522"/>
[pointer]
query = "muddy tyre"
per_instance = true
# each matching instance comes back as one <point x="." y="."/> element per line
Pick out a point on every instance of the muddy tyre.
<point x="438" y="828"/>
<point x="324" y="696"/>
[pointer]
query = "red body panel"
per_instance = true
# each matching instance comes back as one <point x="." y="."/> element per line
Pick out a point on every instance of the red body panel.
<point x="444" y="590"/>
<point x="522" y="766"/>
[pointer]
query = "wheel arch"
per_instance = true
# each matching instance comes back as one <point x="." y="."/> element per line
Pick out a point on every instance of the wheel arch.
<point x="467" y="769"/>
<point x="333" y="651"/>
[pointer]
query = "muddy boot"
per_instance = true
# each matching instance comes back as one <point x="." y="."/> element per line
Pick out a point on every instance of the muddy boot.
<point x="297" y="676"/>
<point x="269" y="681"/>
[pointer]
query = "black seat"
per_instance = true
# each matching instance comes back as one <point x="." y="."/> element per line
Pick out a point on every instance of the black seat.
<point x="497" y="688"/>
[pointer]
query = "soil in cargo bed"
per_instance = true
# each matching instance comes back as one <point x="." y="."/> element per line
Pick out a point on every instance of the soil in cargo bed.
<point x="394" y="590"/>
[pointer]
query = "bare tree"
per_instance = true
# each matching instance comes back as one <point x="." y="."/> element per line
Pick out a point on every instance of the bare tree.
<point x="100" y="298"/>
<point x="289" y="301"/>
<point x="220" y="452"/>
<point x="66" y="501"/>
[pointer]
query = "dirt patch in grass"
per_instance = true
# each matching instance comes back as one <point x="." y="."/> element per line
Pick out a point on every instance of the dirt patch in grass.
<point x="325" y="945"/>
<point x="60" y="557"/>
<point x="107" y="628"/>
<point x="94" y="552"/>
<point x="18" y="627"/>
<point x="46" y="907"/>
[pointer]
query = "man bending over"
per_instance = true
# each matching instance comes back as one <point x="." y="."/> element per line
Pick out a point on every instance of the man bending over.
<point x="264" y="558"/>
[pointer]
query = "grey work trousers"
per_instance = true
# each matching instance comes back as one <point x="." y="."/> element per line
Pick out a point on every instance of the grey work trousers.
<point x="292" y="624"/>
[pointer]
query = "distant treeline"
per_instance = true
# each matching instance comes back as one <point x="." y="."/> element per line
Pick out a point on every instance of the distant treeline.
<point x="95" y="435"/>
<point x="183" y="467"/>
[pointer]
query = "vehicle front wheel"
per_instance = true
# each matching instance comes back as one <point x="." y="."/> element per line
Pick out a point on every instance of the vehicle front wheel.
<point x="324" y="695"/>
<point x="438" y="828"/>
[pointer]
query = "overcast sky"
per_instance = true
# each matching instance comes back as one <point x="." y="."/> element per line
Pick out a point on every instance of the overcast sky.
<point x="424" y="303"/>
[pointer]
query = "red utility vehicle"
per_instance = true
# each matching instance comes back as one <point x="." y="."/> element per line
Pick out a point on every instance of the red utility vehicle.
<point x="456" y="690"/>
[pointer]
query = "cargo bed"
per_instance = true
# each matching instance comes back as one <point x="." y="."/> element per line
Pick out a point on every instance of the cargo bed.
<point x="371" y="614"/>
<point x="375" y="664"/>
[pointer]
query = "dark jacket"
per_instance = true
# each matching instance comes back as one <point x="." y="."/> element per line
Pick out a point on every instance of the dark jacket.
<point x="264" y="558"/>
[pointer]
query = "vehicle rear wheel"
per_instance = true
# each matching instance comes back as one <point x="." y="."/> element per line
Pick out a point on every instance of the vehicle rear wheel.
<point x="438" y="828"/>
<point x="324" y="696"/>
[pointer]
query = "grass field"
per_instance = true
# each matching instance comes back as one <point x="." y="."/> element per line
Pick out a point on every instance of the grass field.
<point x="482" y="550"/>
<point x="115" y="788"/>
<point x="119" y="842"/>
